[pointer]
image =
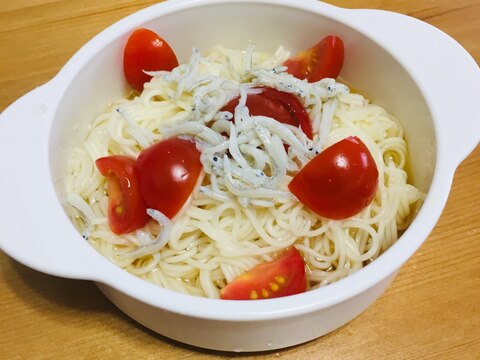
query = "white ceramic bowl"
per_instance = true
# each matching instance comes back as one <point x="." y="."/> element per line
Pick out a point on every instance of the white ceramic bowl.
<point x="414" y="70"/>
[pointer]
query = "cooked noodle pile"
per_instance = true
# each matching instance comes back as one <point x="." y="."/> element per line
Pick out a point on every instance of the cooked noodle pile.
<point x="241" y="214"/>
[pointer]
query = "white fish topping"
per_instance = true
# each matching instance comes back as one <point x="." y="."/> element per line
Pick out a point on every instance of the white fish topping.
<point x="86" y="212"/>
<point x="159" y="242"/>
<point x="249" y="157"/>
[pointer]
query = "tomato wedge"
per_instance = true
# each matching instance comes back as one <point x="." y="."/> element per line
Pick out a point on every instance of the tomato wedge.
<point x="145" y="50"/>
<point x="281" y="106"/>
<point x="339" y="182"/>
<point x="167" y="173"/>
<point x="324" y="60"/>
<point x="127" y="211"/>
<point x="281" y="277"/>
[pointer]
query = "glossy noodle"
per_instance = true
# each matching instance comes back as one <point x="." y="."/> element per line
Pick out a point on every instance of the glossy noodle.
<point x="226" y="228"/>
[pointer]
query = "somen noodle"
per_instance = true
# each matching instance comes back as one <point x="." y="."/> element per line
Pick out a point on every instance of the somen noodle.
<point x="241" y="213"/>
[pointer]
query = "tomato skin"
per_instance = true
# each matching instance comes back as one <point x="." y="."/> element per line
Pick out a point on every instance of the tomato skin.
<point x="339" y="182"/>
<point x="323" y="60"/>
<point x="281" y="277"/>
<point x="145" y="50"/>
<point x="282" y="106"/>
<point x="168" y="172"/>
<point x="127" y="211"/>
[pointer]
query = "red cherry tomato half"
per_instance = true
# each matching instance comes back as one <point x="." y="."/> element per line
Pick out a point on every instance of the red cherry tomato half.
<point x="167" y="172"/>
<point x="339" y="182"/>
<point x="282" y="106"/>
<point x="127" y="211"/>
<point x="147" y="51"/>
<point x="281" y="277"/>
<point x="324" y="60"/>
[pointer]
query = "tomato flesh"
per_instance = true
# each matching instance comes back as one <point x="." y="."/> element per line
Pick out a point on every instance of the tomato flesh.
<point x="339" y="182"/>
<point x="279" y="105"/>
<point x="127" y="211"/>
<point x="281" y="277"/>
<point x="145" y="50"/>
<point x="324" y="60"/>
<point x="168" y="172"/>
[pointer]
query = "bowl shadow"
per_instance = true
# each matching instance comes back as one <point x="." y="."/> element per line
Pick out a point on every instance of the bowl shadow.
<point x="54" y="293"/>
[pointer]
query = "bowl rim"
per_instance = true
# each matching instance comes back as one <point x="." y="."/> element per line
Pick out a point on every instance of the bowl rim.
<point x="214" y="309"/>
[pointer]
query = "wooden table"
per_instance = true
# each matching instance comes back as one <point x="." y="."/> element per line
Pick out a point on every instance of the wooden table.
<point x="431" y="311"/>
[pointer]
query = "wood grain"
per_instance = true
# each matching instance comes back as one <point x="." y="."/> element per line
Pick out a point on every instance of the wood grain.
<point x="431" y="311"/>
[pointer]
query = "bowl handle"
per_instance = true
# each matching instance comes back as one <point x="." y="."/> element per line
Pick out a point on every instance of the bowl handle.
<point x="446" y="73"/>
<point x="34" y="228"/>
